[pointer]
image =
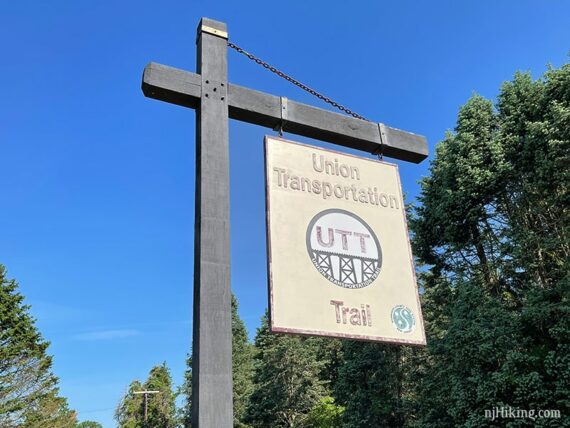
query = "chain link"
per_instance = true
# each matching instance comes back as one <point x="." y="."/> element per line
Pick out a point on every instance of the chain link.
<point x="296" y="82"/>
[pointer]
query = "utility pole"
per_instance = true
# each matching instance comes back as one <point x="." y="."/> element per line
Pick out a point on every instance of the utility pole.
<point x="146" y="393"/>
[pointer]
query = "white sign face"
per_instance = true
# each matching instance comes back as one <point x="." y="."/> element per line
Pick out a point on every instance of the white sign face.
<point x="340" y="262"/>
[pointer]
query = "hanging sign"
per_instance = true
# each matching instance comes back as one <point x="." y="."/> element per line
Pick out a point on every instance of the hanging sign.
<point x="340" y="262"/>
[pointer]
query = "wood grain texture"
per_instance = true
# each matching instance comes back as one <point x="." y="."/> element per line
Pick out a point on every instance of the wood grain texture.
<point x="212" y="323"/>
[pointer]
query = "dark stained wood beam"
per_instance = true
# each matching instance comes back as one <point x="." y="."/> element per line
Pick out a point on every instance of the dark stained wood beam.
<point x="184" y="88"/>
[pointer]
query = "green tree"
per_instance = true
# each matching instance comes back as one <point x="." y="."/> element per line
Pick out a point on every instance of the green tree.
<point x="185" y="412"/>
<point x="460" y="234"/>
<point x="325" y="414"/>
<point x="160" y="407"/>
<point x="493" y="230"/>
<point x="455" y="228"/>
<point x="29" y="396"/>
<point x="130" y="411"/>
<point x="89" y="424"/>
<point x="369" y="385"/>
<point x="242" y="364"/>
<point x="467" y="372"/>
<point x="535" y="201"/>
<point x="330" y="352"/>
<point x="287" y="382"/>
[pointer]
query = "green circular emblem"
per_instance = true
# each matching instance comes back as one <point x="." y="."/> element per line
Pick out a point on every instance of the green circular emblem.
<point x="403" y="319"/>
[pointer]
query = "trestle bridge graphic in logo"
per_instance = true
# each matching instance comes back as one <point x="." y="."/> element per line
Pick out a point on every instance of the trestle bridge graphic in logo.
<point x="344" y="249"/>
<point x="403" y="318"/>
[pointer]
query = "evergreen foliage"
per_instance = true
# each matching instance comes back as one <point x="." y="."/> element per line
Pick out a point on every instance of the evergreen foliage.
<point x="89" y="424"/>
<point x="287" y="379"/>
<point x="185" y="412"/>
<point x="29" y="396"/>
<point x="493" y="228"/>
<point x="130" y="412"/>
<point x="325" y="414"/>
<point x="370" y="385"/>
<point x="242" y="362"/>
<point x="161" y="409"/>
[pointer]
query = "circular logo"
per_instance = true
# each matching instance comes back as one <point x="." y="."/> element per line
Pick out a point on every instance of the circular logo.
<point x="343" y="248"/>
<point x="403" y="318"/>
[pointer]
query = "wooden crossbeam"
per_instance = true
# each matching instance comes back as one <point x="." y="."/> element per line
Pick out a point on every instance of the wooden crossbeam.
<point x="184" y="88"/>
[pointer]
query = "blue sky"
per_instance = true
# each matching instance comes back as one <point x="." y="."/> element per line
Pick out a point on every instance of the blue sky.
<point x="97" y="181"/>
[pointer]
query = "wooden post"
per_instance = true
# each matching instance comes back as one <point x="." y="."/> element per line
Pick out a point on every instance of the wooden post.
<point x="212" y="327"/>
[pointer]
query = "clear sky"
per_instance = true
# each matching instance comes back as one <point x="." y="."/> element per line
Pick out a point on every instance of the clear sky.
<point x="96" y="181"/>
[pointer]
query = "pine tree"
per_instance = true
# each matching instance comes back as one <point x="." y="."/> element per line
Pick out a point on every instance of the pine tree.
<point x="130" y="411"/>
<point x="242" y="363"/>
<point x="460" y="234"/>
<point x="287" y="384"/>
<point x="369" y="385"/>
<point x="457" y="231"/>
<point x="185" y="412"/>
<point x="89" y="424"/>
<point x="325" y="414"/>
<point x="493" y="229"/>
<point x="160" y="407"/>
<point x="28" y="389"/>
<point x="535" y="118"/>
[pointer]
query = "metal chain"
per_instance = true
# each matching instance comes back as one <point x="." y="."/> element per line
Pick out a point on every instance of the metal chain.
<point x="296" y="82"/>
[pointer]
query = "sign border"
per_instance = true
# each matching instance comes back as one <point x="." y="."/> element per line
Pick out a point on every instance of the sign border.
<point x="320" y="333"/>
